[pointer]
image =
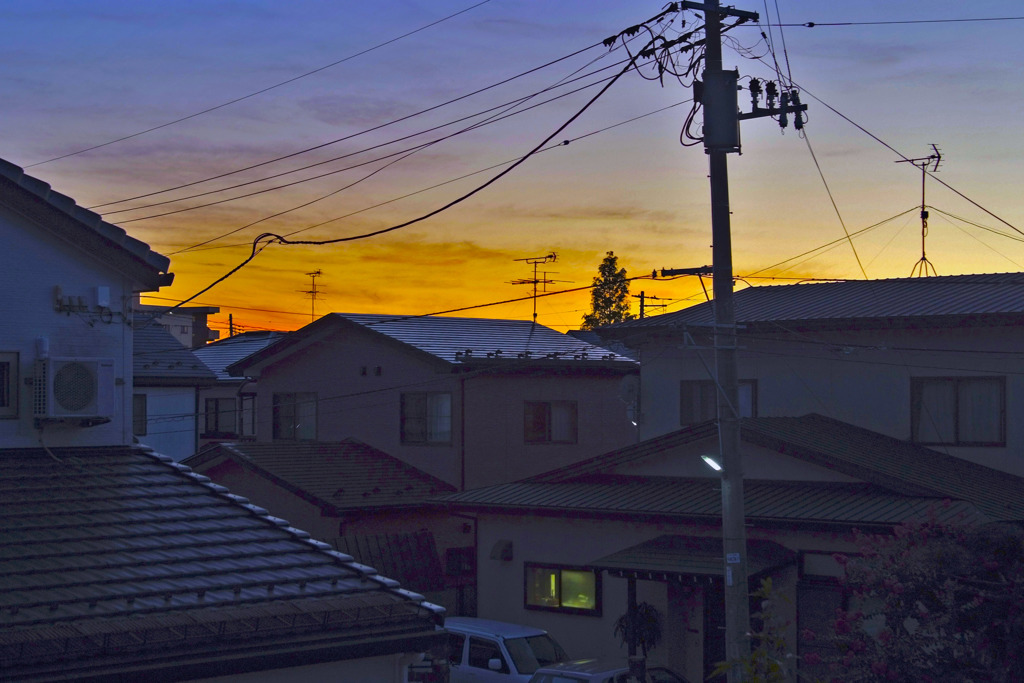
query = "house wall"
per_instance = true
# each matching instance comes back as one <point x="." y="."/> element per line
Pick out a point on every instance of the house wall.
<point x="34" y="264"/>
<point x="495" y="431"/>
<point x="363" y="406"/>
<point x="859" y="376"/>
<point x="171" y="420"/>
<point x="355" y="401"/>
<point x="576" y="541"/>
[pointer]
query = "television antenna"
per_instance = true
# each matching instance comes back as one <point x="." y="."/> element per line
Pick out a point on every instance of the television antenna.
<point x="313" y="293"/>
<point x="924" y="267"/>
<point x="539" y="278"/>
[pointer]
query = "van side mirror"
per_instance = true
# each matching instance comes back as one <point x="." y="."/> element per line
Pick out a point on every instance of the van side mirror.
<point x="494" y="664"/>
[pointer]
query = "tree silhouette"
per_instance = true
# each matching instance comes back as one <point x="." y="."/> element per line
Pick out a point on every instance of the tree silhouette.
<point x="609" y="299"/>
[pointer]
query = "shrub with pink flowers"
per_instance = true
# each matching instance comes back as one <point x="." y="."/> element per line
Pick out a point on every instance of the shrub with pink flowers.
<point x="933" y="602"/>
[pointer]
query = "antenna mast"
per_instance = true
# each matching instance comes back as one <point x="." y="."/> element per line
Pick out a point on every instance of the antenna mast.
<point x="313" y="293"/>
<point x="924" y="267"/>
<point x="541" y="280"/>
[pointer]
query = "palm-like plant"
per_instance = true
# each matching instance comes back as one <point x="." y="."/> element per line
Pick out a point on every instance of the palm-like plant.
<point x="647" y="625"/>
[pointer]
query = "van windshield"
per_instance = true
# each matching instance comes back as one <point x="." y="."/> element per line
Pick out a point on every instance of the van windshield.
<point x="533" y="652"/>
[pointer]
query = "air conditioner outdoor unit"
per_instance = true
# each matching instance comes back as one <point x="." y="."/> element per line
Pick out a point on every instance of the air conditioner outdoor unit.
<point x="74" y="389"/>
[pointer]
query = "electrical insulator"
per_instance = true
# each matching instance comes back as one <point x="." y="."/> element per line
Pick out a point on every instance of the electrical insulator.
<point x="798" y="116"/>
<point x="771" y="91"/>
<point x="783" y="106"/>
<point x="755" y="92"/>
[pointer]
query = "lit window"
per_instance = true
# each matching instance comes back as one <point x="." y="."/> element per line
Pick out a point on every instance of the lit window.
<point x="550" y="422"/>
<point x="698" y="400"/>
<point x="295" y="416"/>
<point x="220" y="418"/>
<point x="8" y="384"/>
<point x="427" y="417"/>
<point x="563" y="589"/>
<point x="958" y="411"/>
<point x="140" y="417"/>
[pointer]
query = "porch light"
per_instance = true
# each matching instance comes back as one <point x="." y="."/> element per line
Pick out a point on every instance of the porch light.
<point x="711" y="462"/>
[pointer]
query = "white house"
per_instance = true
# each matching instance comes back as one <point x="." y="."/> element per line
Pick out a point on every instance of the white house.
<point x="935" y="361"/>
<point x="117" y="563"/>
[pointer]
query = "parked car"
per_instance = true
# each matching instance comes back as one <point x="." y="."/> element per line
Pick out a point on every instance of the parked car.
<point x="600" y="671"/>
<point x="488" y="651"/>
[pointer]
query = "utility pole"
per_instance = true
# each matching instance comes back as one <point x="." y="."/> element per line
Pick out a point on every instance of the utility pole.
<point x="721" y="137"/>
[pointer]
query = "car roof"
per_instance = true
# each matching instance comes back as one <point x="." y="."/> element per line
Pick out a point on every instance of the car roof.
<point x="490" y="627"/>
<point x="586" y="666"/>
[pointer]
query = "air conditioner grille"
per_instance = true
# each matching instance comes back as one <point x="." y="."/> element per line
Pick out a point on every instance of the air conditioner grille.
<point x="74" y="386"/>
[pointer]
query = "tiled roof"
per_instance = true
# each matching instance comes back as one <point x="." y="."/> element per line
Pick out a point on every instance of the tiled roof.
<point x="86" y="229"/>
<point x="116" y="559"/>
<point x="222" y="353"/>
<point x="902" y="481"/>
<point x="459" y="341"/>
<point x="701" y="498"/>
<point x="158" y="357"/>
<point x="451" y="338"/>
<point x="952" y="296"/>
<point x="343" y="475"/>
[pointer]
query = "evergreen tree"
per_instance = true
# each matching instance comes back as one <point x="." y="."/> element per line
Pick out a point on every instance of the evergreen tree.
<point x="609" y="299"/>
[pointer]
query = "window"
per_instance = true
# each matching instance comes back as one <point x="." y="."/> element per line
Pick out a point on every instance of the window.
<point x="550" y="422"/>
<point x="456" y="643"/>
<point x="8" y="384"/>
<point x="427" y="417"/>
<point x="563" y="589"/>
<point x="247" y="416"/>
<point x="698" y="400"/>
<point x="482" y="651"/>
<point x="139" y="415"/>
<point x="958" y="411"/>
<point x="295" y="416"/>
<point x="220" y="418"/>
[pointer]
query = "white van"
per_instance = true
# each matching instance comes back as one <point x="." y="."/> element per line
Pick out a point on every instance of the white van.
<point x="487" y="651"/>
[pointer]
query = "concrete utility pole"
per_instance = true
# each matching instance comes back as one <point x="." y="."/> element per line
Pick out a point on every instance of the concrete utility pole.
<point x="721" y="137"/>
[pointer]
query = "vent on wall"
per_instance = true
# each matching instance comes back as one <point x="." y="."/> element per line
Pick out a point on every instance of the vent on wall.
<point x="74" y="389"/>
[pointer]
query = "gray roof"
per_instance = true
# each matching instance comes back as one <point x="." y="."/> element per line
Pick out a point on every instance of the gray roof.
<point x="701" y="498"/>
<point x="160" y="359"/>
<point x="220" y="354"/>
<point x="466" y="342"/>
<point x="467" y="339"/>
<point x="999" y="296"/>
<point x="336" y="476"/>
<point x="902" y="481"/>
<point x="116" y="561"/>
<point x="85" y="229"/>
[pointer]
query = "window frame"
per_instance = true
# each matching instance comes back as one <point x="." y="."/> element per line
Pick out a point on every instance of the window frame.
<point x="9" y="379"/>
<point x="545" y="435"/>
<point x="560" y="607"/>
<point x="406" y="434"/>
<point x="706" y="389"/>
<point x="916" y="409"/>
<point x="284" y="405"/>
<point x="247" y="415"/>
<point x="217" y="432"/>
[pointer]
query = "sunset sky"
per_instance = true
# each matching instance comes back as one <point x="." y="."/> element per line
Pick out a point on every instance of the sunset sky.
<point x="887" y="79"/>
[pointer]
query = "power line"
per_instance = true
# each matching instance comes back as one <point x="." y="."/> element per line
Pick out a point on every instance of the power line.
<point x="564" y="143"/>
<point x="409" y="150"/>
<point x="352" y="135"/>
<point x="260" y="92"/>
<point x="815" y="24"/>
